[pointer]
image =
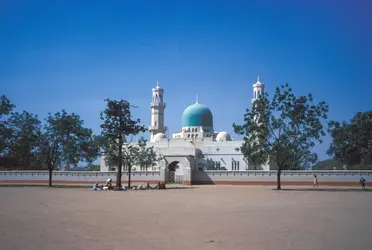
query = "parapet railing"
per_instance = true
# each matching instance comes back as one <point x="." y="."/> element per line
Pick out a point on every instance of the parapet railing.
<point x="290" y="173"/>
<point x="76" y="173"/>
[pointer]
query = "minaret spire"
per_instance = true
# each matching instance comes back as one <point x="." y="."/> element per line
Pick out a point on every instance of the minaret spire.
<point x="157" y="83"/>
<point x="258" y="78"/>
<point x="197" y="98"/>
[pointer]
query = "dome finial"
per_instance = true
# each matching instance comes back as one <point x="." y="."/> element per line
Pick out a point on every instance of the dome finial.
<point x="258" y="78"/>
<point x="157" y="83"/>
<point x="197" y="98"/>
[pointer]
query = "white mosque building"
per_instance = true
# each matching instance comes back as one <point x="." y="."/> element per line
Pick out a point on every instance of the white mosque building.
<point x="197" y="145"/>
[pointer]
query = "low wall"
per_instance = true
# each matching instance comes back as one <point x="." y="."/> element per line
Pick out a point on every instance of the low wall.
<point x="77" y="177"/>
<point x="298" y="178"/>
<point x="325" y="178"/>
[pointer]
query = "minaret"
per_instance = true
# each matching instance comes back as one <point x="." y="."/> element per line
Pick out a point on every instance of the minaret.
<point x="157" y="112"/>
<point x="258" y="89"/>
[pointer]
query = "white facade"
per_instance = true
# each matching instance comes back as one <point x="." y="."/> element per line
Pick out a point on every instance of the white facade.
<point x="197" y="145"/>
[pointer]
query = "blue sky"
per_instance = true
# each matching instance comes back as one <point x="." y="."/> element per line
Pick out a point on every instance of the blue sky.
<point x="72" y="55"/>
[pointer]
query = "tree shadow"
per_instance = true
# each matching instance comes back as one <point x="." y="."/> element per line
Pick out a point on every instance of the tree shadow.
<point x="180" y="187"/>
<point x="325" y="190"/>
<point x="40" y="185"/>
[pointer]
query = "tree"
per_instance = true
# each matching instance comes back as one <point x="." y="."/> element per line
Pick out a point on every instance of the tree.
<point x="145" y="157"/>
<point x="352" y="142"/>
<point x="64" y="142"/>
<point x="282" y="130"/>
<point x="5" y="106"/>
<point x="5" y="132"/>
<point x="117" y="126"/>
<point x="21" y="146"/>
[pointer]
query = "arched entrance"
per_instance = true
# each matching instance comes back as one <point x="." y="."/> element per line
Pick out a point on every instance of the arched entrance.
<point x="171" y="172"/>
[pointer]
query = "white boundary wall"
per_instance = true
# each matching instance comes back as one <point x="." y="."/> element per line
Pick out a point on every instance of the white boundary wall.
<point x="342" y="178"/>
<point x="251" y="177"/>
<point x="83" y="177"/>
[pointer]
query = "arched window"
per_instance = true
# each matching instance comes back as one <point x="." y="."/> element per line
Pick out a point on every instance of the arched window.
<point x="196" y="130"/>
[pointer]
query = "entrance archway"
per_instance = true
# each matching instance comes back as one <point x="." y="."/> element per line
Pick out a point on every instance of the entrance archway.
<point x="171" y="173"/>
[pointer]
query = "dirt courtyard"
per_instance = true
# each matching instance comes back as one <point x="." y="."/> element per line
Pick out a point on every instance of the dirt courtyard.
<point x="206" y="217"/>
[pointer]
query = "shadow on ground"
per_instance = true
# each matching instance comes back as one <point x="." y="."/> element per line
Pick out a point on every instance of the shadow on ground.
<point x="182" y="187"/>
<point x="89" y="187"/>
<point x="326" y="189"/>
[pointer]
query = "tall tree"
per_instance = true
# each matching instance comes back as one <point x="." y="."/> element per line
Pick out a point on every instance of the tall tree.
<point x="145" y="156"/>
<point x="282" y="130"/>
<point x="117" y="126"/>
<point x="5" y="132"/>
<point x="352" y="142"/>
<point x="64" y="142"/>
<point x="21" y="146"/>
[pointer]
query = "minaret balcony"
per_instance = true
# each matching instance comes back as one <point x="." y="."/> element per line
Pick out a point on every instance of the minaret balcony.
<point x="159" y="105"/>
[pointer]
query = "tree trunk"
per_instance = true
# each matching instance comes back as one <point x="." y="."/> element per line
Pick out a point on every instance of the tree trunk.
<point x="120" y="165"/>
<point x="118" y="176"/>
<point x="129" y="175"/>
<point x="50" y="177"/>
<point x="279" y="172"/>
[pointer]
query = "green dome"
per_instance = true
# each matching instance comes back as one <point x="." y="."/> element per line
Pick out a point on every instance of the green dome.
<point x="197" y="115"/>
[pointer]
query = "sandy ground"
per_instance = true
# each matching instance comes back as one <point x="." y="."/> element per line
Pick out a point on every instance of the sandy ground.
<point x="208" y="217"/>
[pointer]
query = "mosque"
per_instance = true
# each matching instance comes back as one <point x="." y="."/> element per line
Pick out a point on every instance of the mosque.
<point x="197" y="145"/>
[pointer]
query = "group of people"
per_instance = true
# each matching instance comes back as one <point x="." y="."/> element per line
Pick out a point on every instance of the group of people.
<point x="362" y="182"/>
<point x="108" y="186"/>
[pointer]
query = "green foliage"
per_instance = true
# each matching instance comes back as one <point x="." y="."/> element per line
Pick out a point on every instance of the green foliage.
<point x="5" y="106"/>
<point x="5" y="132"/>
<point x="329" y="164"/>
<point x="25" y="130"/>
<point x="18" y="136"/>
<point x="117" y="126"/>
<point x="64" y="141"/>
<point x="145" y="157"/>
<point x="352" y="142"/>
<point x="283" y="129"/>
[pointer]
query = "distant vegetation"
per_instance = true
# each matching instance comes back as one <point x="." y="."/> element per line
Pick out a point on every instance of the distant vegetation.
<point x="332" y="164"/>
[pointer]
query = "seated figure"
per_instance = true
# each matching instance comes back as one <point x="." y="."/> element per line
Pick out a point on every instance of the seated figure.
<point x="148" y="186"/>
<point x="97" y="187"/>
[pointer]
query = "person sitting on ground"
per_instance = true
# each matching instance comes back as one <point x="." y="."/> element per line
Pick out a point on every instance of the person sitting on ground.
<point x="162" y="186"/>
<point x="148" y="186"/>
<point x="158" y="186"/>
<point x="97" y="187"/>
<point x="362" y="182"/>
<point x="108" y="185"/>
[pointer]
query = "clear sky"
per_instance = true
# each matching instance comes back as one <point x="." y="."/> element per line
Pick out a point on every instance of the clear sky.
<point x="72" y="55"/>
